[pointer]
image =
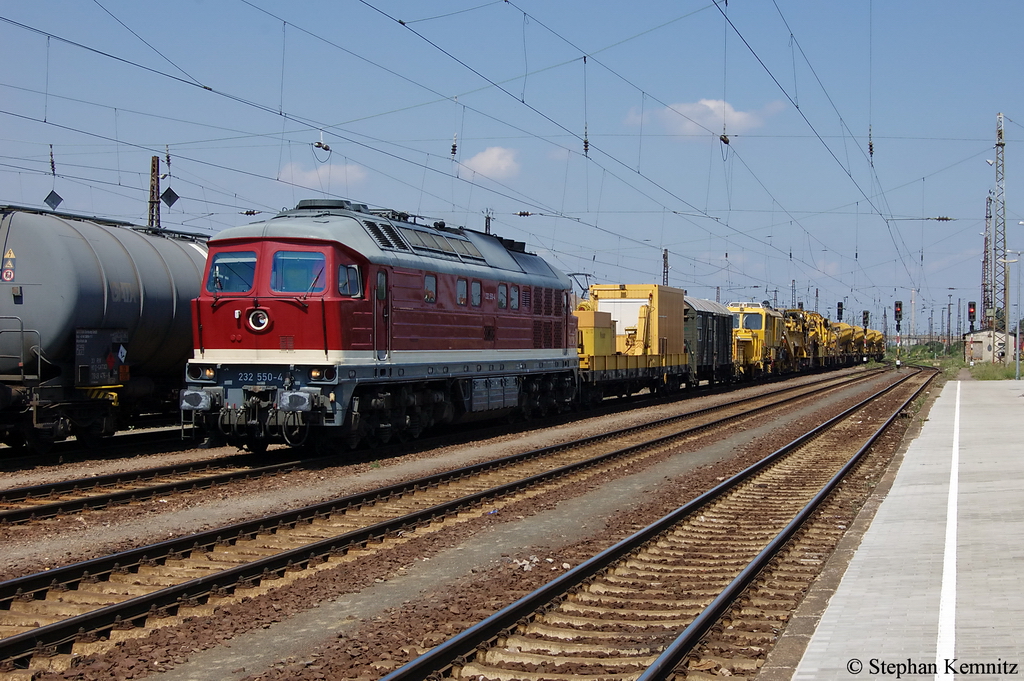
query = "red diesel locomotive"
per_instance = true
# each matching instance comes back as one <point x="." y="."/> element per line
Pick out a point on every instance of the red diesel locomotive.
<point x="342" y="324"/>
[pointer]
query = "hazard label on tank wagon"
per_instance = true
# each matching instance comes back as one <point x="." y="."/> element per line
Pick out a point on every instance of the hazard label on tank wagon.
<point x="7" y="273"/>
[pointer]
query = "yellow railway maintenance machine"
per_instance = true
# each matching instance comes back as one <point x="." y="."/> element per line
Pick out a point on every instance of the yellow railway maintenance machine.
<point x="760" y="345"/>
<point x="810" y="339"/>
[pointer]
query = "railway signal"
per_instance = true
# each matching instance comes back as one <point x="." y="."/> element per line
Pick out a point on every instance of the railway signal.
<point x="839" y="312"/>
<point x="898" y="314"/>
<point x="865" y="317"/>
<point x="972" y="313"/>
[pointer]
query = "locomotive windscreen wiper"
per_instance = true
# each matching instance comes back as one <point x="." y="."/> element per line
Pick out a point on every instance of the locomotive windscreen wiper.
<point x="312" y="284"/>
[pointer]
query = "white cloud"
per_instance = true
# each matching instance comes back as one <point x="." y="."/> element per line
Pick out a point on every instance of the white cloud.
<point x="696" y="118"/>
<point x="496" y="163"/>
<point x="326" y="177"/>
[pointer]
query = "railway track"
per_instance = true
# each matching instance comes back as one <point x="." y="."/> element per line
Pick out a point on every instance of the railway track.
<point x="620" y="614"/>
<point x="121" y="445"/>
<point x="38" y="502"/>
<point x="49" y="618"/>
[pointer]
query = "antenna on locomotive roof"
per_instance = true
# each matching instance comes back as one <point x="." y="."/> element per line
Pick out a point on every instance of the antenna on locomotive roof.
<point x="487" y="221"/>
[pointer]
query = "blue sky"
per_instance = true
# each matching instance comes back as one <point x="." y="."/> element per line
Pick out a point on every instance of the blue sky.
<point x="239" y="93"/>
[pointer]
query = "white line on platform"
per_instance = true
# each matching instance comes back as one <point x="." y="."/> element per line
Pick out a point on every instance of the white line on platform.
<point x="947" y="601"/>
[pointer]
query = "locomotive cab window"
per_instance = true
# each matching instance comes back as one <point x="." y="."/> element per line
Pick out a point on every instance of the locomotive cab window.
<point x="382" y="286"/>
<point x="298" y="272"/>
<point x="752" y="322"/>
<point x="232" y="272"/>
<point x="461" y="291"/>
<point x="349" y="284"/>
<point x="513" y="298"/>
<point x="477" y="291"/>
<point x="429" y="288"/>
<point x="502" y="296"/>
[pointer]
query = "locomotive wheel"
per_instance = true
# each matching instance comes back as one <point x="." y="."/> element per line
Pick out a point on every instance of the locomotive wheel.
<point x="257" y="445"/>
<point x="325" y="445"/>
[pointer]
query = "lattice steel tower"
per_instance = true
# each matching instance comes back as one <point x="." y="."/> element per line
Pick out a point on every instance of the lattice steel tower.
<point x="986" y="269"/>
<point x="1001" y="278"/>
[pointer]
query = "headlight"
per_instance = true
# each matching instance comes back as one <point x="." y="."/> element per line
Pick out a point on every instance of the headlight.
<point x="199" y="372"/>
<point x="323" y="373"/>
<point x="259" y="320"/>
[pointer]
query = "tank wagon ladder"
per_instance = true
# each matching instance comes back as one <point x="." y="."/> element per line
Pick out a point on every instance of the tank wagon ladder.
<point x="21" y="331"/>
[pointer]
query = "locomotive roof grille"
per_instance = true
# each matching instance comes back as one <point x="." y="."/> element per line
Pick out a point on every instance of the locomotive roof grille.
<point x="422" y="241"/>
<point x="386" y="236"/>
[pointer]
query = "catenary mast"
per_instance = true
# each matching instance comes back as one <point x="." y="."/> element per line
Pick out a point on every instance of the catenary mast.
<point x="986" y="269"/>
<point x="1001" y="278"/>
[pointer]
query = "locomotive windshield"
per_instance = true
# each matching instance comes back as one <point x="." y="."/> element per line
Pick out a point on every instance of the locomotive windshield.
<point x="298" y="272"/>
<point x="751" y="322"/>
<point x="231" y="272"/>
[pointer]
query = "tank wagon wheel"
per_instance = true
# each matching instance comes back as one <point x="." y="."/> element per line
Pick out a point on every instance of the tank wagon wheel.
<point x="14" y="439"/>
<point x="88" y="436"/>
<point x="36" y="442"/>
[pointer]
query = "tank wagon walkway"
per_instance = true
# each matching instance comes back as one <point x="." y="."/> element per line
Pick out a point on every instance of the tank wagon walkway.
<point x="934" y="589"/>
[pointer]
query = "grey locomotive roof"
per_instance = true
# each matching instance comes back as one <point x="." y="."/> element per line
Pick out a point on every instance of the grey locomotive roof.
<point x="707" y="306"/>
<point x="387" y="237"/>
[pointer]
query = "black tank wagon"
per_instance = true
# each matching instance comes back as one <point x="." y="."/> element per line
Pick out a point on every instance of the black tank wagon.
<point x="95" y="322"/>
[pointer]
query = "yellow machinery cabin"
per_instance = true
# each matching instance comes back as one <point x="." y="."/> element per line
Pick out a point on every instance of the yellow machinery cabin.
<point x="759" y="339"/>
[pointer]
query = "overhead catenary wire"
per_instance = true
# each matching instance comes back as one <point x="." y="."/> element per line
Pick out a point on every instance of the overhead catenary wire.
<point x="282" y="109"/>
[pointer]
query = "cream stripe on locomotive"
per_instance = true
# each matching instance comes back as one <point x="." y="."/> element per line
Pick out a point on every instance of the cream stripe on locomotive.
<point x="396" y="358"/>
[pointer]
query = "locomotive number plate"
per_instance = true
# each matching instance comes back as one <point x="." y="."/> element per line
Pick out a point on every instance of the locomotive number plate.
<point x="251" y="377"/>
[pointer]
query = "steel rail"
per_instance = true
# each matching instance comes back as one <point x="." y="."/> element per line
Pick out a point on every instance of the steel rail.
<point x="502" y="622"/>
<point x="100" y="501"/>
<point x="80" y="484"/>
<point x="61" y="635"/>
<point x="663" y="666"/>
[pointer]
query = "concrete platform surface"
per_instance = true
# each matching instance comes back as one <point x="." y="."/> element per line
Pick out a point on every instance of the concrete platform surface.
<point x="936" y="587"/>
